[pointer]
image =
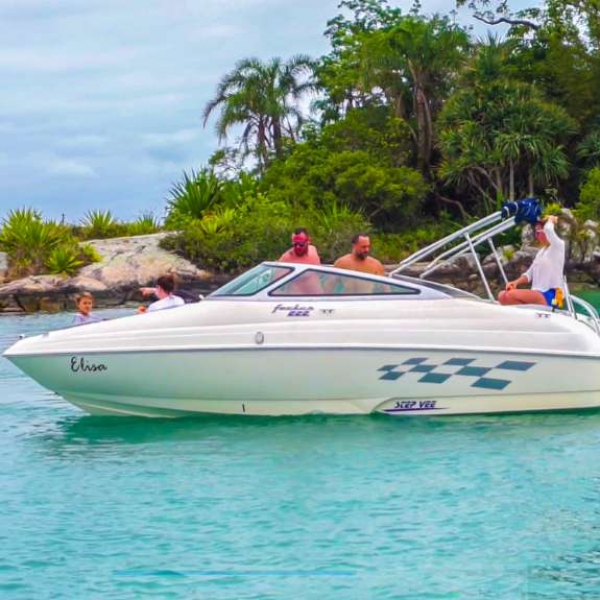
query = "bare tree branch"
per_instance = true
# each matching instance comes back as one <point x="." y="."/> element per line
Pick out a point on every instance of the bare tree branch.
<point x="456" y="203"/>
<point x="499" y="20"/>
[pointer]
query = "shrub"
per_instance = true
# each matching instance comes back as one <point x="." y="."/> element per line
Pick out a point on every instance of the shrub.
<point x="99" y="224"/>
<point x="89" y="254"/>
<point x="554" y="208"/>
<point x="28" y="240"/>
<point x="193" y="198"/>
<point x="146" y="224"/>
<point x="259" y="229"/>
<point x="64" y="260"/>
<point x="391" y="248"/>
<point x="589" y="197"/>
<point x="333" y="227"/>
<point x="35" y="246"/>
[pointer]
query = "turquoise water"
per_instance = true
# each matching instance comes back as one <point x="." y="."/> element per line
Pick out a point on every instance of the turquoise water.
<point x="300" y="508"/>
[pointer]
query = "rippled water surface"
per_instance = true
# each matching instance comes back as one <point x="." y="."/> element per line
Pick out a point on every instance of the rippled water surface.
<point x="300" y="508"/>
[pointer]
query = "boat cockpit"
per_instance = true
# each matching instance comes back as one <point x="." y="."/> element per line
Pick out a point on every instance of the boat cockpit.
<point x="275" y="281"/>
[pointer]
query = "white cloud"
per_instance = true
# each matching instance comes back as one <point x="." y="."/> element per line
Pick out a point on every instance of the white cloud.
<point x="160" y="140"/>
<point x="69" y="167"/>
<point x="83" y="141"/>
<point x="45" y="60"/>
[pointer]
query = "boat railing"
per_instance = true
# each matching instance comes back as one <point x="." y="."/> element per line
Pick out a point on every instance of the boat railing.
<point x="459" y="243"/>
<point x="593" y="319"/>
<point x="466" y="240"/>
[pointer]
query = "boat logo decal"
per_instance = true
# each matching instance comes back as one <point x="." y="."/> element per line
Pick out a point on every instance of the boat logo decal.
<point x="413" y="405"/>
<point x="294" y="310"/>
<point x="80" y="365"/>
<point x="456" y="367"/>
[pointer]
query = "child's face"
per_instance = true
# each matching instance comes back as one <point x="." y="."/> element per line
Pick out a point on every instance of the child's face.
<point x="85" y="306"/>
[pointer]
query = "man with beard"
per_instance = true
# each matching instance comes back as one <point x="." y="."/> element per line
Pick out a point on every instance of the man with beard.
<point x="302" y="251"/>
<point x="359" y="259"/>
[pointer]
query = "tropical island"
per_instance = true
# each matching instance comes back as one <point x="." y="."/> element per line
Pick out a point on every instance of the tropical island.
<point x="410" y="127"/>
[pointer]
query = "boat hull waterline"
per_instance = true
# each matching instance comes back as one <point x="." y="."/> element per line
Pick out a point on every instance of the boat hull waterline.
<point x="300" y="381"/>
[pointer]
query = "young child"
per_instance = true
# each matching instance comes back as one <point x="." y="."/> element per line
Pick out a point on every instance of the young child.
<point x="85" y="302"/>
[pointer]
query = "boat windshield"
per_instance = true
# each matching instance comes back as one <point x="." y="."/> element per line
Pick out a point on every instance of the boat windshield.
<point x="253" y="281"/>
<point x="322" y="283"/>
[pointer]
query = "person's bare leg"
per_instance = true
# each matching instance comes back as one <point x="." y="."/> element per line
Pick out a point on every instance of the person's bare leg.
<point x="522" y="297"/>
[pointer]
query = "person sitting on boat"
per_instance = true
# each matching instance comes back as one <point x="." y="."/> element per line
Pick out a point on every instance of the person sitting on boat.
<point x="545" y="273"/>
<point x="302" y="251"/>
<point x="165" y="285"/>
<point x="359" y="259"/>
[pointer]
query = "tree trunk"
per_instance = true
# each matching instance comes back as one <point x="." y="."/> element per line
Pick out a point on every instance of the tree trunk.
<point x="531" y="186"/>
<point x="422" y="144"/>
<point x="277" y="138"/>
<point x="511" y="180"/>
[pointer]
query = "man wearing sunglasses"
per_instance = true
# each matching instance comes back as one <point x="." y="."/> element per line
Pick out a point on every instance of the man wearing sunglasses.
<point x="302" y="251"/>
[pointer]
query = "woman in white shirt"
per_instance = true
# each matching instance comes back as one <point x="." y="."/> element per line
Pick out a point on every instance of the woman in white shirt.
<point x="545" y="273"/>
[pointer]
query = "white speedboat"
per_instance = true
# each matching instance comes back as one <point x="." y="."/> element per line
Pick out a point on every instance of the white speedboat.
<point x="287" y="339"/>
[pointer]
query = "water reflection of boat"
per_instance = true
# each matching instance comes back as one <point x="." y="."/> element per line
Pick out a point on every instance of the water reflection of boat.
<point x="286" y="339"/>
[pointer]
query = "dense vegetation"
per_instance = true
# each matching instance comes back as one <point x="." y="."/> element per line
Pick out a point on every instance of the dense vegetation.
<point x="408" y="126"/>
<point x="414" y="125"/>
<point x="35" y="245"/>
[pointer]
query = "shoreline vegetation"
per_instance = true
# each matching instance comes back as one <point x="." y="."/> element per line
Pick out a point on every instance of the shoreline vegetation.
<point x="408" y="128"/>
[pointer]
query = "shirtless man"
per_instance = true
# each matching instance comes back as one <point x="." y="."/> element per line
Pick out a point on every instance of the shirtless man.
<point x="302" y="251"/>
<point x="359" y="259"/>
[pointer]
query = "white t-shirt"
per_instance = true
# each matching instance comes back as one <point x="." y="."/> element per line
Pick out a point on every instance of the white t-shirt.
<point x="546" y="271"/>
<point x="170" y="301"/>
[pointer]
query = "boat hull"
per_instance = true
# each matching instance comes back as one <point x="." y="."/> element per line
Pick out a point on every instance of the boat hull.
<point x="327" y="380"/>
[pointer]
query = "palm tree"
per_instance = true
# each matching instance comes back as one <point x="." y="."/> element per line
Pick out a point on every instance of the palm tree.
<point x="499" y="136"/>
<point x="415" y="63"/>
<point x="264" y="99"/>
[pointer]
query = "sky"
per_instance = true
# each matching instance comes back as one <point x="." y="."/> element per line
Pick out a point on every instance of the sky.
<point x="102" y="100"/>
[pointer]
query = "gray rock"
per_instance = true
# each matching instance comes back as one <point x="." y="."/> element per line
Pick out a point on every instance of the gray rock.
<point x="3" y="266"/>
<point x="127" y="264"/>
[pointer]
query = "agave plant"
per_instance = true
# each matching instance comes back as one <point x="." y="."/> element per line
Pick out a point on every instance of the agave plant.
<point x="216" y="222"/>
<point x="89" y="254"/>
<point x="237" y="191"/>
<point x="146" y="224"/>
<point x="334" y="226"/>
<point x="29" y="240"/>
<point x="64" y="260"/>
<point x="100" y="224"/>
<point x="194" y="197"/>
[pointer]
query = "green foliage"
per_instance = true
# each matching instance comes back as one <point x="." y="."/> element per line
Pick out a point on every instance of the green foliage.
<point x="333" y="227"/>
<point x="146" y="224"/>
<point x="89" y="254"/>
<point x="314" y="176"/>
<point x="554" y="208"/>
<point x="499" y="136"/>
<point x="35" y="246"/>
<point x="589" y="198"/>
<point x="391" y="248"/>
<point x="28" y="240"/>
<point x="259" y="229"/>
<point x="589" y="148"/>
<point x="263" y="98"/>
<point x="100" y="224"/>
<point x="192" y="198"/>
<point x="64" y="260"/>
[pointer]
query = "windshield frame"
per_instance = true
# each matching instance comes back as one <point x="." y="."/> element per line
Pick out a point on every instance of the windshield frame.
<point x="230" y="289"/>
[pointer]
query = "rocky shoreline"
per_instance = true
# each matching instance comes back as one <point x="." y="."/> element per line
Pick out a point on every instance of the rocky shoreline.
<point x="133" y="262"/>
<point x="127" y="264"/>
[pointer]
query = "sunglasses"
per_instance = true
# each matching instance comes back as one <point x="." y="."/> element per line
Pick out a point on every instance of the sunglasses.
<point x="300" y="244"/>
